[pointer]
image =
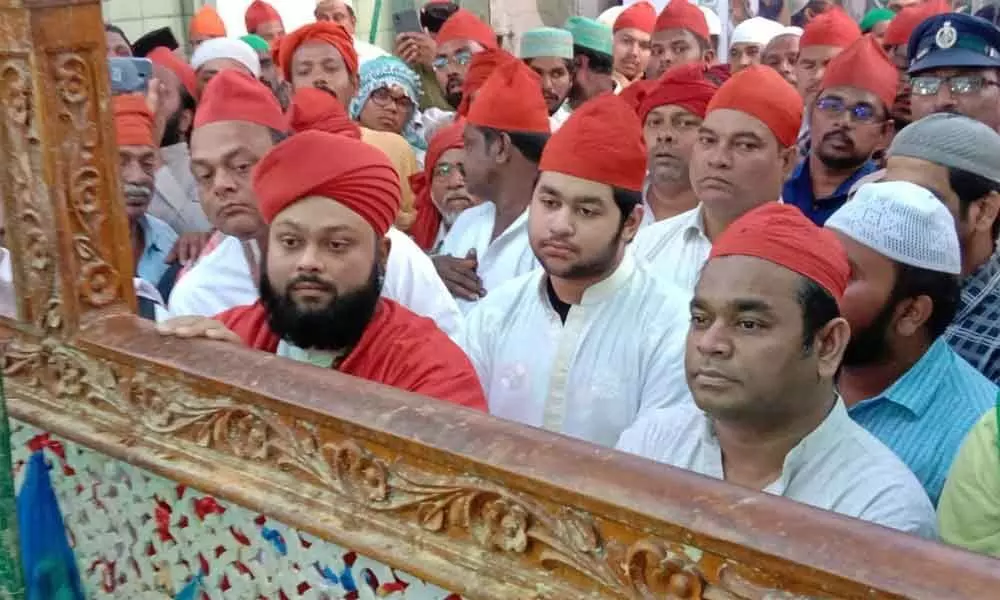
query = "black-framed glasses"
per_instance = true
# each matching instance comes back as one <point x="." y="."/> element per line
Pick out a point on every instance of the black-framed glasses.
<point x="460" y="59"/>
<point x="383" y="97"/>
<point x="443" y="169"/>
<point x="862" y="112"/>
<point x="958" y="85"/>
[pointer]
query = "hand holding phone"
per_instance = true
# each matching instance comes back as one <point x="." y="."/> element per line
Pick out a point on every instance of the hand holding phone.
<point x="406" y="21"/>
<point x="130" y="75"/>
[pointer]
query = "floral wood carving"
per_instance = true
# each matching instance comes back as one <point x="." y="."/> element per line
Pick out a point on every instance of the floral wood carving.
<point x="494" y="518"/>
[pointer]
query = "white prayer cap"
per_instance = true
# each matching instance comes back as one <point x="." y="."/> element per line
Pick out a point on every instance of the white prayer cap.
<point x="609" y="16"/>
<point x="349" y="3"/>
<point x="904" y="222"/>
<point x="712" y="19"/>
<point x="757" y="30"/>
<point x="791" y="30"/>
<point x="237" y="50"/>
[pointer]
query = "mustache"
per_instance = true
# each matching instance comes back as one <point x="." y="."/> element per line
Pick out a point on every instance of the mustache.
<point x="839" y="135"/>
<point x="133" y="190"/>
<point x="326" y="286"/>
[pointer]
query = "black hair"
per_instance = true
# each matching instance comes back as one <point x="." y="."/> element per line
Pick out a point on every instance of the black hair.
<point x="435" y="13"/>
<point x="109" y="28"/>
<point x="818" y="309"/>
<point x="944" y="290"/>
<point x="626" y="200"/>
<point x="530" y="144"/>
<point x="568" y="62"/>
<point x="970" y="188"/>
<point x="278" y="136"/>
<point x="597" y="62"/>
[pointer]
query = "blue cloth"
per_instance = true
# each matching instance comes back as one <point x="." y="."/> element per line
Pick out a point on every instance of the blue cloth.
<point x="975" y="331"/>
<point x="925" y="415"/>
<point x="159" y="240"/>
<point x="386" y="71"/>
<point x="798" y="191"/>
<point x="954" y="40"/>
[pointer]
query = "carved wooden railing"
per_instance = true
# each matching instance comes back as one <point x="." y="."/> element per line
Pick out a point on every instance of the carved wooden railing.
<point x="271" y="479"/>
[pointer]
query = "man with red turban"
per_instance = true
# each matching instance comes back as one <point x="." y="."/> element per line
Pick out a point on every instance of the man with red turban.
<point x="262" y="19"/>
<point x="680" y="36"/>
<point x="615" y="352"/>
<point x="462" y="36"/>
<point x="765" y="343"/>
<point x="744" y="151"/>
<point x="507" y="128"/>
<point x="632" y="31"/>
<point x="321" y="279"/>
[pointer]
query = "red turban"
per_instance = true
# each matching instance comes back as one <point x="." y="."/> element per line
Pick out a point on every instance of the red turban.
<point x="258" y="13"/>
<point x="233" y="95"/>
<point x="762" y="93"/>
<point x="635" y="94"/>
<point x="681" y="14"/>
<point x="684" y="86"/>
<point x="511" y="100"/>
<point x="601" y="141"/>
<point x="133" y="121"/>
<point x="361" y="178"/>
<point x="168" y="60"/>
<point x="207" y="23"/>
<point x="831" y="28"/>
<point x="902" y="25"/>
<point x="481" y="67"/>
<point x="313" y="108"/>
<point x="425" y="229"/>
<point x="781" y="234"/>
<point x="641" y="16"/>
<point x="327" y="32"/>
<point x="464" y="25"/>
<point x="865" y="66"/>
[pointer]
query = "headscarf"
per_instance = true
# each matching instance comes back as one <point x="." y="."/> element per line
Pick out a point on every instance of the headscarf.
<point x="425" y="228"/>
<point x="389" y="71"/>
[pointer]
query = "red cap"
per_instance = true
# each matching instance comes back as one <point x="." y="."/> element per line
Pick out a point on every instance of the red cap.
<point x="481" y="67"/>
<point x="511" y="100"/>
<point x="641" y="16"/>
<point x="635" y="94"/>
<point x="168" y="60"/>
<point x="902" y="25"/>
<point x="425" y="228"/>
<point x="313" y="108"/>
<point x="362" y="178"/>
<point x="864" y="65"/>
<point x="681" y="14"/>
<point x="831" y="28"/>
<point x="762" y="93"/>
<point x="233" y="95"/>
<point x="781" y="234"/>
<point x="258" y="13"/>
<point x="684" y="86"/>
<point x="133" y="121"/>
<point x="601" y="141"/>
<point x="464" y="25"/>
<point x="321" y="31"/>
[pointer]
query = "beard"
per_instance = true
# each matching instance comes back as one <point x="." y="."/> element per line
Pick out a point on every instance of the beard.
<point x="338" y="325"/>
<point x="870" y="346"/>
<point x="840" y="163"/>
<point x="597" y="265"/>
<point x="172" y="133"/>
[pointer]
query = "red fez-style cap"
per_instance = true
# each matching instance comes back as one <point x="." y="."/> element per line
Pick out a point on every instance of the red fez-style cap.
<point x="641" y="16"/>
<point x="361" y="178"/>
<point x="831" y="28"/>
<point x="258" y="13"/>
<point x="905" y="22"/>
<point x="481" y="67"/>
<point x="511" y="100"/>
<point x="313" y="108"/>
<point x="864" y="65"/>
<point x="133" y="121"/>
<point x="781" y="234"/>
<point x="463" y="24"/>
<point x="684" y="86"/>
<point x="233" y="95"/>
<point x="681" y="14"/>
<point x="762" y="93"/>
<point x="168" y="60"/>
<point x="635" y="94"/>
<point x="321" y="31"/>
<point x="601" y="141"/>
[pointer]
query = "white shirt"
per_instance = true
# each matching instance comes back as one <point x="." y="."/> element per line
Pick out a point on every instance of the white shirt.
<point x="557" y="119"/>
<point x="619" y="354"/>
<point x="223" y="280"/>
<point x="675" y="248"/>
<point x="838" y="467"/>
<point x="507" y="257"/>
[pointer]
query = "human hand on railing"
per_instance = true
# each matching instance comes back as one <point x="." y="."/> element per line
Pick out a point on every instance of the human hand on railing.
<point x="198" y="327"/>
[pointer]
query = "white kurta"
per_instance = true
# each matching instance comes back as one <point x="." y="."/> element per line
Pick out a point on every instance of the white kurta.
<point x="619" y="354"/>
<point x="676" y="248"/>
<point x="223" y="280"/>
<point x="838" y="467"/>
<point x="505" y="258"/>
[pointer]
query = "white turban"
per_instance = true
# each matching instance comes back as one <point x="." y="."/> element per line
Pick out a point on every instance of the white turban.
<point x="237" y="50"/>
<point x="757" y="30"/>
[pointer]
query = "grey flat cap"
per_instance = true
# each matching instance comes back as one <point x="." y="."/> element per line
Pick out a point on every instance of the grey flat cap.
<point x="952" y="141"/>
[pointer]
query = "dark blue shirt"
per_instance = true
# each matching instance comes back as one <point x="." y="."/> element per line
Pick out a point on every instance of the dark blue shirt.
<point x="798" y="191"/>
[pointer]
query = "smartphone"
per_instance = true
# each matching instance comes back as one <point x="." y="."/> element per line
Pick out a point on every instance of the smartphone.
<point x="130" y="75"/>
<point x="406" y="21"/>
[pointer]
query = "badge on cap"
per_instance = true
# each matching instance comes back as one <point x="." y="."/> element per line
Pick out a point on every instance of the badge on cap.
<point x="946" y="36"/>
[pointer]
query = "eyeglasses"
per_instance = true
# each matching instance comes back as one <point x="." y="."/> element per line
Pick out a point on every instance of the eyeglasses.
<point x="959" y="85"/>
<point x="383" y="97"/>
<point x="443" y="169"/>
<point x="460" y="59"/>
<point x="862" y="112"/>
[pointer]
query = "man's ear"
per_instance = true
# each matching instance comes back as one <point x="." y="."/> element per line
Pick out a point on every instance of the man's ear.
<point x="789" y="158"/>
<point x="384" y="246"/>
<point x="983" y="213"/>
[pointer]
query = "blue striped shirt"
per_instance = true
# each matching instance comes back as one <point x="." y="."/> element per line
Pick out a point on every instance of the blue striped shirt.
<point x="925" y="415"/>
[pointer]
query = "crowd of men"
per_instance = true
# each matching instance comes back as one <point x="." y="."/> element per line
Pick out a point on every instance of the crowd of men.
<point x="778" y="268"/>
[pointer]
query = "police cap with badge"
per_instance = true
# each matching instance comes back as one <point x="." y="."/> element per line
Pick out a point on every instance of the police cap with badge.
<point x="954" y="40"/>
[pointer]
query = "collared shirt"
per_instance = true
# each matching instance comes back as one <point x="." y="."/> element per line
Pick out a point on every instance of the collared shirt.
<point x="619" y="354"/>
<point x="798" y="191"/>
<point x="507" y="257"/>
<point x="557" y="119"/>
<point x="159" y="239"/>
<point x="924" y="416"/>
<point x="175" y="197"/>
<point x="675" y="248"/>
<point x="975" y="331"/>
<point x="837" y="467"/>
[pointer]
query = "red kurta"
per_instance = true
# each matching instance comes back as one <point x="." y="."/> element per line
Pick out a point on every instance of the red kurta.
<point x="398" y="348"/>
